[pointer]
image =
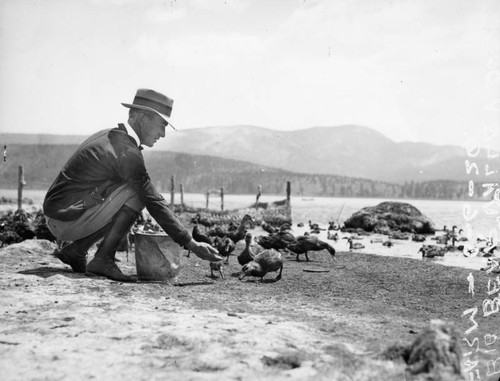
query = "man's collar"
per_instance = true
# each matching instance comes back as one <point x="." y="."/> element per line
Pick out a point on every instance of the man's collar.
<point x="132" y="133"/>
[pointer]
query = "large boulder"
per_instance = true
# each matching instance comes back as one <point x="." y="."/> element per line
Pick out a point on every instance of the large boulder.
<point x="388" y="217"/>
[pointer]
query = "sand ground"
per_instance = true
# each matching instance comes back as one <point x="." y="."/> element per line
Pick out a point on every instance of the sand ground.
<point x="332" y="325"/>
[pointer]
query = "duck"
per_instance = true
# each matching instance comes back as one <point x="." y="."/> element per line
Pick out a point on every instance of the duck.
<point x="431" y="251"/>
<point x="279" y="240"/>
<point x="269" y="228"/>
<point x="21" y="224"/>
<point x="452" y="247"/>
<point x="249" y="252"/>
<point x="269" y="260"/>
<point x="333" y="236"/>
<point x="387" y="243"/>
<point x="41" y="229"/>
<point x="354" y="245"/>
<point x="224" y="246"/>
<point x="492" y="266"/>
<point x="314" y="226"/>
<point x="442" y="239"/>
<point x="304" y="244"/>
<point x="206" y="222"/>
<point x="200" y="237"/>
<point x="332" y="226"/>
<point x="488" y="250"/>
<point x="239" y="234"/>
<point x="461" y="237"/>
<point x="217" y="266"/>
<point x="399" y="235"/>
<point x="216" y="231"/>
<point x="418" y="238"/>
<point x="9" y="237"/>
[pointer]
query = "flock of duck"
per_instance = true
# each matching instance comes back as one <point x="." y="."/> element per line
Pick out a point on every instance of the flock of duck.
<point x="261" y="254"/>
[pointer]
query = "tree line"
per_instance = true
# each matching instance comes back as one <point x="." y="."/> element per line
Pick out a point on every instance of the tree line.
<point x="200" y="173"/>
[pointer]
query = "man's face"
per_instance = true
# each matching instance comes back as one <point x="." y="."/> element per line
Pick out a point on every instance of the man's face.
<point x="153" y="128"/>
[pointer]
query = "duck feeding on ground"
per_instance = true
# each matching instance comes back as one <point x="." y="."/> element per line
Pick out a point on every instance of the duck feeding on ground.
<point x="431" y="251"/>
<point x="267" y="261"/>
<point x="304" y="244"/>
<point x="216" y="266"/>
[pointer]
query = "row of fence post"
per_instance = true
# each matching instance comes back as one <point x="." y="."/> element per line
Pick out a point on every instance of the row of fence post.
<point x="21" y="183"/>
<point x="207" y="195"/>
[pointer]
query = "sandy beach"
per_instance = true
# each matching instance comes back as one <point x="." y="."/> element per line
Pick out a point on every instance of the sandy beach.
<point x="333" y="324"/>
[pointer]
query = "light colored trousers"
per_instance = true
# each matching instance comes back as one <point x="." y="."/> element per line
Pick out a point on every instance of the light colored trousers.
<point x="97" y="216"/>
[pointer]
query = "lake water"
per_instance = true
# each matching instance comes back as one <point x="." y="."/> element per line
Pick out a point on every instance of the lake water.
<point x="321" y="210"/>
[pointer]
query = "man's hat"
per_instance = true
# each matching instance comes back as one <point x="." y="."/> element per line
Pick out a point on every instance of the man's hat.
<point x="151" y="100"/>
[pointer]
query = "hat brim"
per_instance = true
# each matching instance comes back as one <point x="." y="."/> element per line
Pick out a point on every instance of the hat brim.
<point x="164" y="117"/>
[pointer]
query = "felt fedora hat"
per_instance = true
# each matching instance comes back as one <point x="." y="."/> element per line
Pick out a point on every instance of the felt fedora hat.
<point x="154" y="101"/>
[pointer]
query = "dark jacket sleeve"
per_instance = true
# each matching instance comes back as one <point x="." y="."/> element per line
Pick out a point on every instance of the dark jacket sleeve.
<point x="131" y="168"/>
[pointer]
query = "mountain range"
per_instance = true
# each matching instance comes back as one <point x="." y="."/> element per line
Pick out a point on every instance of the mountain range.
<point x="347" y="150"/>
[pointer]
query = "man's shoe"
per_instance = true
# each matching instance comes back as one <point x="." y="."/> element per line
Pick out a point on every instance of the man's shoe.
<point x="109" y="269"/>
<point x="70" y="255"/>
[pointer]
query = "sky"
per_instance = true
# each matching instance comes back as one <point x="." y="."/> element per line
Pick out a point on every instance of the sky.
<point x="426" y="70"/>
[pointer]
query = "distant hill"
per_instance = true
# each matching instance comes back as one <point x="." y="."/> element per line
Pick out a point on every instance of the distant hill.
<point x="348" y="150"/>
<point x="202" y="173"/>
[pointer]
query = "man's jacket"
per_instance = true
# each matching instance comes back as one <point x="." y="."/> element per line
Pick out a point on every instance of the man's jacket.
<point x="106" y="160"/>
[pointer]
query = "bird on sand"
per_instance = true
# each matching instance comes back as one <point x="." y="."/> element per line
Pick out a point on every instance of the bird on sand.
<point x="249" y="252"/>
<point x="431" y="251"/>
<point x="239" y="234"/>
<point x="279" y="240"/>
<point x="304" y="244"/>
<point x="267" y="261"/>
<point x="225" y="247"/>
<point x="217" y="266"/>
<point x="269" y="228"/>
<point x="200" y="237"/>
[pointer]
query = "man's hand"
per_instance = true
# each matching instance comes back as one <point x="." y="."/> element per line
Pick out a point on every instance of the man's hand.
<point x="203" y="250"/>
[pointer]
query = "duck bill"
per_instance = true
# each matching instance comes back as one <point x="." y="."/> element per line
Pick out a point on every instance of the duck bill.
<point x="241" y="276"/>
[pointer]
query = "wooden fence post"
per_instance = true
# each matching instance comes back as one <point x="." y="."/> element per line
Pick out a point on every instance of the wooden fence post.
<point x="288" y="192"/>
<point x="20" y="184"/>
<point x="259" y="192"/>
<point x="172" y="191"/>
<point x="222" y="199"/>
<point x="182" y="196"/>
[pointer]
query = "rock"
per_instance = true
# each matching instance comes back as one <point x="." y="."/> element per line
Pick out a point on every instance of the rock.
<point x="435" y="354"/>
<point x="390" y="216"/>
<point x="437" y="350"/>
